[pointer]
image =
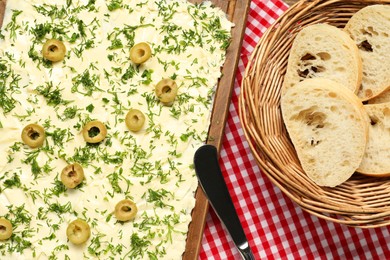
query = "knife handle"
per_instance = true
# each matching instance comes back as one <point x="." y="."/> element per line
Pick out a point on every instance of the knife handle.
<point x="214" y="186"/>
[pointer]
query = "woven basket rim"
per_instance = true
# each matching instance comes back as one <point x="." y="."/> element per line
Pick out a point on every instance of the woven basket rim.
<point x="362" y="201"/>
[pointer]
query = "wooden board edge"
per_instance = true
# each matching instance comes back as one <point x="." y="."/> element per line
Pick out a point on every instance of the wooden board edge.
<point x="237" y="11"/>
<point x="2" y="10"/>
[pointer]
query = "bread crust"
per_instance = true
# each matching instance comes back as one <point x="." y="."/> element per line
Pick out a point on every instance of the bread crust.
<point x="382" y="97"/>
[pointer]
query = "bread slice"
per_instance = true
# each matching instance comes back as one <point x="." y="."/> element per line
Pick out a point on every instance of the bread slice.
<point x="383" y="97"/>
<point x="328" y="128"/>
<point x="376" y="160"/>
<point x="370" y="29"/>
<point x="322" y="50"/>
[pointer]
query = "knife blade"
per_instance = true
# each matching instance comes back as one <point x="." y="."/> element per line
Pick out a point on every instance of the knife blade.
<point x="212" y="183"/>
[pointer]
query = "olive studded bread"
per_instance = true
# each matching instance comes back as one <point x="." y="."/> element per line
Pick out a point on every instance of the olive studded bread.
<point x="370" y="29"/>
<point x="322" y="50"/>
<point x="327" y="125"/>
<point x="376" y="160"/>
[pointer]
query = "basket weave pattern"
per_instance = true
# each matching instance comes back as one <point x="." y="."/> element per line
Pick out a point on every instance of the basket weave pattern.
<point x="361" y="201"/>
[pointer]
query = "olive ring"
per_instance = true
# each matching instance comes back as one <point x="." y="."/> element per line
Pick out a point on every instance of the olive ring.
<point x="140" y="53"/>
<point x="72" y="175"/>
<point x="5" y="229"/>
<point x="94" y="132"/>
<point x="78" y="231"/>
<point x="125" y="210"/>
<point x="33" y="135"/>
<point x="166" y="91"/>
<point x="135" y="119"/>
<point x="53" y="50"/>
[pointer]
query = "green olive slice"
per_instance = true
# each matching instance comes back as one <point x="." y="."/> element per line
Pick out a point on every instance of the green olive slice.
<point x="33" y="135"/>
<point x="78" y="231"/>
<point x="135" y="119"/>
<point x="94" y="132"/>
<point x="72" y="175"/>
<point x="166" y="91"/>
<point x="125" y="210"/>
<point x="53" y="50"/>
<point x="5" y="229"/>
<point x="140" y="53"/>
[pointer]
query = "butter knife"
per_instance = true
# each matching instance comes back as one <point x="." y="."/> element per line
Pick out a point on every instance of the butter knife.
<point x="211" y="181"/>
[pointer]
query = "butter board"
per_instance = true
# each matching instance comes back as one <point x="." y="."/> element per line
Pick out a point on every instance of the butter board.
<point x="237" y="13"/>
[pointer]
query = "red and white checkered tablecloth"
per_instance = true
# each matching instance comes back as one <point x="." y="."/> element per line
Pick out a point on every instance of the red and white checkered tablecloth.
<point x="274" y="225"/>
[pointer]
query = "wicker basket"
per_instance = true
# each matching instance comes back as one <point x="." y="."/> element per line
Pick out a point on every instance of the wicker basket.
<point x="361" y="201"/>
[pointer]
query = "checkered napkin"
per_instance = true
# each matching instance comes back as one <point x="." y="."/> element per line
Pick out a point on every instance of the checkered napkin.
<point x="274" y="225"/>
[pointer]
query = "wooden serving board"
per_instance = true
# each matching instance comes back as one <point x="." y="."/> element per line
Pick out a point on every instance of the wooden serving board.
<point x="236" y="11"/>
<point x="2" y="9"/>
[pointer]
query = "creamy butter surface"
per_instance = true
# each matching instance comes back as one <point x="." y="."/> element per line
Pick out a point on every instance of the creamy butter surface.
<point x="97" y="81"/>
